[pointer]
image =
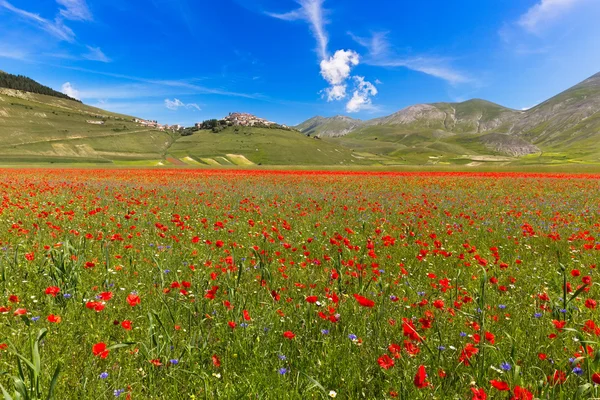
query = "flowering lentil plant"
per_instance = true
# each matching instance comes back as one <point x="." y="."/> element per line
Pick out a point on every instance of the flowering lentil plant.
<point x="146" y="284"/>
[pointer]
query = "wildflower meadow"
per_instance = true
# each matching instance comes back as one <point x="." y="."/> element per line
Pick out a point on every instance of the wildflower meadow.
<point x="176" y="284"/>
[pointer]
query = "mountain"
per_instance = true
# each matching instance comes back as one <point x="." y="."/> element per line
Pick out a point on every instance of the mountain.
<point x="329" y="127"/>
<point x="565" y="128"/>
<point x="49" y="128"/>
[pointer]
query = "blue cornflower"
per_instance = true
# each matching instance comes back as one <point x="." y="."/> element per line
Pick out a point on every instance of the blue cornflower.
<point x="441" y="348"/>
<point x="505" y="366"/>
<point x="67" y="295"/>
<point x="462" y="334"/>
<point x="578" y="371"/>
<point x="282" y="371"/>
<point x="393" y="298"/>
<point x="166" y="271"/>
<point x="243" y="325"/>
<point x="537" y="315"/>
<point x="174" y="361"/>
<point x="34" y="319"/>
<point x="352" y="336"/>
<point x="421" y="293"/>
<point x="502" y="306"/>
<point x="282" y="357"/>
<point x="104" y="375"/>
<point x="325" y="331"/>
<point x="118" y="392"/>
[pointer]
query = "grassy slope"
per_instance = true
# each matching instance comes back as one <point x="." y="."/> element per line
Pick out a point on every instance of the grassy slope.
<point x="41" y="127"/>
<point x="262" y="146"/>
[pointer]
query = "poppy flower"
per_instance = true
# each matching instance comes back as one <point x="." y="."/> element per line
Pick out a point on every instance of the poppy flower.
<point x="312" y="299"/>
<point x="216" y="361"/>
<point x="20" y="311"/>
<point x="13" y="298"/>
<point x="126" y="325"/>
<point x="520" y="393"/>
<point x="100" y="350"/>
<point x="105" y="296"/>
<point x="55" y="319"/>
<point x="246" y="315"/>
<point x="363" y="301"/>
<point x="133" y="299"/>
<point x="596" y="378"/>
<point x="289" y="335"/>
<point x="52" y="290"/>
<point x="420" y="380"/>
<point x="478" y="394"/>
<point x="94" y="305"/>
<point x="499" y="385"/>
<point x="385" y="362"/>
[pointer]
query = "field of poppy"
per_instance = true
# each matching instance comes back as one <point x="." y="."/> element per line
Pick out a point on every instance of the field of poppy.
<point x="173" y="284"/>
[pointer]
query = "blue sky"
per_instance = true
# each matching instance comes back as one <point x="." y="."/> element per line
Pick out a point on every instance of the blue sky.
<point x="182" y="61"/>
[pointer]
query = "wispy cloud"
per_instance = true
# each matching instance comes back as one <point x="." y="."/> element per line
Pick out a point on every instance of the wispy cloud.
<point x="70" y="90"/>
<point x="176" y="104"/>
<point x="56" y="28"/>
<point x="380" y="54"/>
<point x="95" y="54"/>
<point x="76" y="10"/>
<point x="544" y="12"/>
<point x="180" y="84"/>
<point x="13" y="53"/>
<point x="312" y="12"/>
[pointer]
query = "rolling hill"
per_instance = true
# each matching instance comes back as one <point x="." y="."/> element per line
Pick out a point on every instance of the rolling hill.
<point x="52" y="128"/>
<point x="565" y="128"/>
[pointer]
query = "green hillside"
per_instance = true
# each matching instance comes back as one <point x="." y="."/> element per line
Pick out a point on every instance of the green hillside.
<point x="36" y="128"/>
<point x="563" y="129"/>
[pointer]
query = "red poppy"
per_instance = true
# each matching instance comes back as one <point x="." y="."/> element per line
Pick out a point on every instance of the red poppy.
<point x="156" y="362"/>
<point x="20" y="311"/>
<point x="520" y="393"/>
<point x="289" y="335"/>
<point x="231" y="324"/>
<point x="105" y="296"/>
<point x="55" y="319"/>
<point x="94" y="305"/>
<point x="52" y="290"/>
<point x="99" y="350"/>
<point x="385" y="362"/>
<point x="13" y="298"/>
<point x="133" y="299"/>
<point x="126" y="325"/>
<point x="216" y="361"/>
<point x="420" y="380"/>
<point x="363" y="301"/>
<point x="312" y="299"/>
<point x="591" y="304"/>
<point x="596" y="378"/>
<point x="478" y="394"/>
<point x="246" y="315"/>
<point x="499" y="385"/>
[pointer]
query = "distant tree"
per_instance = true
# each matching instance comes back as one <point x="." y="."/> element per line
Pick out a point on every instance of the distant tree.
<point x="20" y="82"/>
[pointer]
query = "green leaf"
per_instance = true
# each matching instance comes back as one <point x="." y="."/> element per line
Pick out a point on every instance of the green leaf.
<point x="54" y="381"/>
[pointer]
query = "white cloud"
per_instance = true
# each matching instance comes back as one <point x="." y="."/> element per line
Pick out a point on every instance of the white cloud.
<point x="76" y="10"/>
<point x="312" y="12"/>
<point x="55" y="28"/>
<point x="379" y="54"/>
<point x="544" y="12"/>
<point x="95" y="54"/>
<point x="361" y="98"/>
<point x="70" y="90"/>
<point x="336" y="71"/>
<point x="175" y="104"/>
